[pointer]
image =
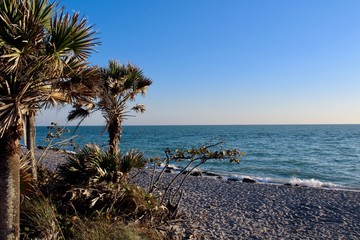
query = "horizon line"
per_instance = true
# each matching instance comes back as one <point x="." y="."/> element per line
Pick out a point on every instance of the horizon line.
<point x="242" y="124"/>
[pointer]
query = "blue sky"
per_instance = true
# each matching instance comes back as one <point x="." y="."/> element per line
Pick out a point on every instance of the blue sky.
<point x="233" y="61"/>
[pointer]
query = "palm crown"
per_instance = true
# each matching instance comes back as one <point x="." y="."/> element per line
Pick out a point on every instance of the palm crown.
<point x="120" y="84"/>
<point x="38" y="48"/>
<point x="42" y="56"/>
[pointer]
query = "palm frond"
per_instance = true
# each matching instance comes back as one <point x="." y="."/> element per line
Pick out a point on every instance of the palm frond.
<point x="55" y="98"/>
<point x="132" y="159"/>
<point x="139" y="108"/>
<point x="120" y="84"/>
<point x="22" y="27"/>
<point x="9" y="116"/>
<point x="38" y="49"/>
<point x="72" y="33"/>
<point x="78" y="113"/>
<point x="90" y="162"/>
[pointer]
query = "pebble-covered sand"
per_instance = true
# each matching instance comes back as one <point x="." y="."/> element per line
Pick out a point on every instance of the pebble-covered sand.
<point x="219" y="209"/>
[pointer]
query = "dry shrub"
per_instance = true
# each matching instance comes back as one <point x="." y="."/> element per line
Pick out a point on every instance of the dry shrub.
<point x="105" y="230"/>
<point x="39" y="219"/>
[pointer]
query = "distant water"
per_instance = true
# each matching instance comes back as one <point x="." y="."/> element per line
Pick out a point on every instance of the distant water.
<point x="312" y="155"/>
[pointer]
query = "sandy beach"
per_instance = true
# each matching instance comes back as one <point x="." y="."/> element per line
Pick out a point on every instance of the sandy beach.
<point x="220" y="209"/>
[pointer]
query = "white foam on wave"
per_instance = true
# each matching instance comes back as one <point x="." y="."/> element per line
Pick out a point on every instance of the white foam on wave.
<point x="258" y="179"/>
<point x="312" y="183"/>
<point x="270" y="180"/>
<point x="315" y="183"/>
<point x="293" y="181"/>
<point x="174" y="167"/>
<point x="236" y="176"/>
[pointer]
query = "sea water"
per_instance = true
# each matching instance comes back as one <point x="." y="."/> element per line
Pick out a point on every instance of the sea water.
<point x="311" y="155"/>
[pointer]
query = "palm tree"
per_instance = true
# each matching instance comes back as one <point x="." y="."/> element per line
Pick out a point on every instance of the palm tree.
<point x="37" y="47"/>
<point x="80" y="88"/>
<point x="120" y="84"/>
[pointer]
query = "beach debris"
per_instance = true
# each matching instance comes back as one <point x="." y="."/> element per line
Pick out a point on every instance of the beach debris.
<point x="230" y="179"/>
<point x="248" y="180"/>
<point x="211" y="174"/>
<point x="196" y="174"/>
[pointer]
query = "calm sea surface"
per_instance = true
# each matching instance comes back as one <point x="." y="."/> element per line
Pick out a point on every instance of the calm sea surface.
<point x="313" y="155"/>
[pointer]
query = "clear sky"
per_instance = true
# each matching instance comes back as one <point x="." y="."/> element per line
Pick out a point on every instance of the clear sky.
<point x="233" y="61"/>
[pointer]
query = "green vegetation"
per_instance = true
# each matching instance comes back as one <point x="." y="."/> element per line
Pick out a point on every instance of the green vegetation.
<point x="172" y="193"/>
<point x="88" y="192"/>
<point x="42" y="49"/>
<point x="43" y="52"/>
<point x="89" y="196"/>
<point x="120" y="84"/>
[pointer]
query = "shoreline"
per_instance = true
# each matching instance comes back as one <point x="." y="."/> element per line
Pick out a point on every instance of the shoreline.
<point x="273" y="154"/>
<point x="294" y="182"/>
<point x="173" y="169"/>
<point x="218" y="209"/>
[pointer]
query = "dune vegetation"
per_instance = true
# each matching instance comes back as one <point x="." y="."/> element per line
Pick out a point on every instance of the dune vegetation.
<point x="43" y="63"/>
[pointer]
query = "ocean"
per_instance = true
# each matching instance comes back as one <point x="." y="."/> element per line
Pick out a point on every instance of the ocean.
<point x="326" y="156"/>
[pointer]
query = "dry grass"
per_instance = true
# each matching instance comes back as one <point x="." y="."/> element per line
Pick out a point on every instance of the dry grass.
<point x="39" y="219"/>
<point x="103" y="230"/>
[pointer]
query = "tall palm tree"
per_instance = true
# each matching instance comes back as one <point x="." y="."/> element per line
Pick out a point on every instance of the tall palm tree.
<point x="37" y="47"/>
<point x="79" y="88"/>
<point x="120" y="85"/>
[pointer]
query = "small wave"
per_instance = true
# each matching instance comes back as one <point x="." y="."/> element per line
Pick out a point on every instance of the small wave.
<point x="313" y="183"/>
<point x="293" y="181"/>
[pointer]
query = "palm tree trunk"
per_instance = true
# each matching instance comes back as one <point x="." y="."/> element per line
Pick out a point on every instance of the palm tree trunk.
<point x="10" y="184"/>
<point x="115" y="131"/>
<point x="30" y="142"/>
